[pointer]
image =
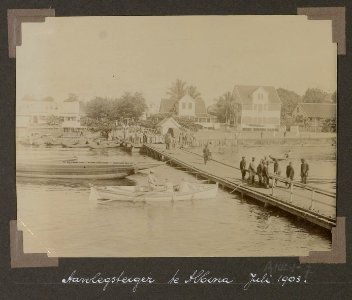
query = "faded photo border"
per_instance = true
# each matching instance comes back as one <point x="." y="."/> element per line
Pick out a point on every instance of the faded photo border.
<point x="329" y="270"/>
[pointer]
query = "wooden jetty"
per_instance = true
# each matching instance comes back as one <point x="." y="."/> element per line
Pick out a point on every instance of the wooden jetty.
<point x="306" y="202"/>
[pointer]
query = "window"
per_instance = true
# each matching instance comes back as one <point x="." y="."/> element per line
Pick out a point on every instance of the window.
<point x="298" y="109"/>
<point x="189" y="105"/>
<point x="183" y="105"/>
<point x="265" y="107"/>
<point x="260" y="107"/>
<point x="255" y="106"/>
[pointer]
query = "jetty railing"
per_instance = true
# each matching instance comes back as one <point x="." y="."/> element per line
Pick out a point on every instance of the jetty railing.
<point x="292" y="193"/>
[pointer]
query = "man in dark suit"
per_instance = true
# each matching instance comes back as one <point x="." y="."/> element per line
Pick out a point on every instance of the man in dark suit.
<point x="266" y="174"/>
<point x="260" y="168"/>
<point x="304" y="171"/>
<point x="243" y="165"/>
<point x="290" y="173"/>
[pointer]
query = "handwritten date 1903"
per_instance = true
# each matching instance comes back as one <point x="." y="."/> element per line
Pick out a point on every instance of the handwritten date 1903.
<point x="269" y="279"/>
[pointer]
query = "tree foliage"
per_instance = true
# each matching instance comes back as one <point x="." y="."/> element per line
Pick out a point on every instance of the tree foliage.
<point x="193" y="92"/>
<point x="53" y="120"/>
<point x="99" y="108"/>
<point x="177" y="90"/>
<point x="102" y="113"/>
<point x="226" y="108"/>
<point x="129" y="106"/>
<point x="102" y="125"/>
<point x="289" y="101"/>
<point x="334" y="97"/>
<point x="180" y="88"/>
<point x="72" y="97"/>
<point x="314" y="95"/>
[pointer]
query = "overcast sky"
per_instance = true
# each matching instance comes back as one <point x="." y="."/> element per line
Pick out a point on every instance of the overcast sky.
<point x="105" y="56"/>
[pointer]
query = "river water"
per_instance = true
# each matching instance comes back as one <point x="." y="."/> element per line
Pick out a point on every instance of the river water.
<point x="58" y="217"/>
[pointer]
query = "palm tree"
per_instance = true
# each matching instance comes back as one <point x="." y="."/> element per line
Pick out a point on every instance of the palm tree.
<point x="192" y="91"/>
<point x="177" y="90"/>
<point x="227" y="108"/>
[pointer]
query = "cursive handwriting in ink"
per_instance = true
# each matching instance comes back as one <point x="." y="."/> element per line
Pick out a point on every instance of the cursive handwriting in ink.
<point x="203" y="277"/>
<point x="174" y="278"/>
<point x="265" y="279"/>
<point x="98" y="279"/>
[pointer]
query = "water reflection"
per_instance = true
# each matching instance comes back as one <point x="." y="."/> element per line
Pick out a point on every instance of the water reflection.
<point x="63" y="219"/>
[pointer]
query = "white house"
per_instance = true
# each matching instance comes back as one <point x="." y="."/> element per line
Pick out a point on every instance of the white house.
<point x="259" y="107"/>
<point x="187" y="107"/>
<point x="33" y="113"/>
<point x="167" y="124"/>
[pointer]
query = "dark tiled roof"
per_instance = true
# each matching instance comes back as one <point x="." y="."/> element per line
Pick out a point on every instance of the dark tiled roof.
<point x="167" y="105"/>
<point x="200" y="107"/>
<point x="245" y="92"/>
<point x="319" y="110"/>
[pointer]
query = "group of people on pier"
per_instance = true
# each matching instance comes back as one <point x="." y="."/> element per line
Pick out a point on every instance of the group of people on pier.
<point x="182" y="139"/>
<point x="140" y="135"/>
<point x="262" y="171"/>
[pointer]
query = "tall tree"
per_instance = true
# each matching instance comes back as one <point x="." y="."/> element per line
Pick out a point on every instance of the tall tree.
<point x="289" y="100"/>
<point x="314" y="95"/>
<point x="193" y="92"/>
<point x="99" y="108"/>
<point x="334" y="97"/>
<point x="129" y="106"/>
<point x="177" y="90"/>
<point x="226" y="108"/>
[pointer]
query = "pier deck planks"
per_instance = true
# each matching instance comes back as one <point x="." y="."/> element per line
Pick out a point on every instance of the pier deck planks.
<point x="323" y="212"/>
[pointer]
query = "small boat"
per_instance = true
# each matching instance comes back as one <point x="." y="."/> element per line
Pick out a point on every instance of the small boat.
<point x="104" y="145"/>
<point x="75" y="145"/>
<point x="142" y="193"/>
<point x="73" y="169"/>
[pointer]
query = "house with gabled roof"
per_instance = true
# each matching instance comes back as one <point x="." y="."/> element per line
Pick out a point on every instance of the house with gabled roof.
<point x="316" y="113"/>
<point x="167" y="125"/>
<point x="184" y="107"/>
<point x="188" y="107"/>
<point x="259" y="107"/>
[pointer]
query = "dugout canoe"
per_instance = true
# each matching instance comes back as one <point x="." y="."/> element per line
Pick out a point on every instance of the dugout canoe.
<point x="195" y="191"/>
<point x="81" y="170"/>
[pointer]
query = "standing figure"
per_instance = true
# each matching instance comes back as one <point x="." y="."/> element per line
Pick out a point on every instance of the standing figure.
<point x="304" y="171"/>
<point x="290" y="173"/>
<point x="266" y="174"/>
<point x="243" y="165"/>
<point x="277" y="170"/>
<point x="206" y="153"/>
<point x="210" y="151"/>
<point x="260" y="170"/>
<point x="168" y="140"/>
<point x="251" y="170"/>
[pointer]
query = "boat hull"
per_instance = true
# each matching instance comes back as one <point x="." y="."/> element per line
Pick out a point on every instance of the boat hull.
<point x="107" y="194"/>
<point x="80" y="170"/>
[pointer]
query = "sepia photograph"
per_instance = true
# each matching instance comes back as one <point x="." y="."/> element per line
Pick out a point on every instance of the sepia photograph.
<point x="176" y="136"/>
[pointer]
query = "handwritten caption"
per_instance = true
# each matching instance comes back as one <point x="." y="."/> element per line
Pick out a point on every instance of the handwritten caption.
<point x="280" y="274"/>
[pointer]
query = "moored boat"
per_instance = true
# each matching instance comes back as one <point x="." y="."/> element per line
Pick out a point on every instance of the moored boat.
<point x="73" y="169"/>
<point x="74" y="145"/>
<point x="104" y="145"/>
<point x="194" y="191"/>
